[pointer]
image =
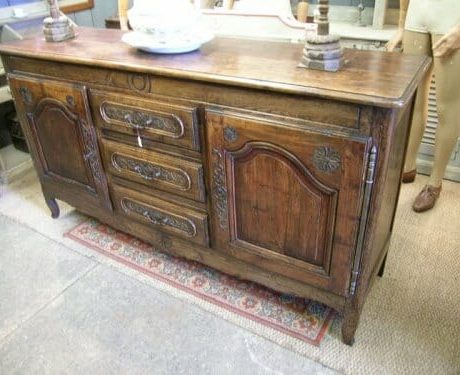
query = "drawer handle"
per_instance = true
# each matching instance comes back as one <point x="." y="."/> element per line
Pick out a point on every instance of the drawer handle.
<point x="129" y="120"/>
<point x="164" y="123"/>
<point x="149" y="171"/>
<point x="155" y="218"/>
<point x="158" y="217"/>
<point x="153" y="175"/>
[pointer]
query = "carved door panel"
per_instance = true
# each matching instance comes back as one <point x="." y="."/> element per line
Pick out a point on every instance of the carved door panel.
<point x="62" y="139"/>
<point x="286" y="199"/>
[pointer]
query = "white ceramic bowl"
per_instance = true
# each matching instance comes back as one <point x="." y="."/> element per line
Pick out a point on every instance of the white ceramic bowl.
<point x="163" y="20"/>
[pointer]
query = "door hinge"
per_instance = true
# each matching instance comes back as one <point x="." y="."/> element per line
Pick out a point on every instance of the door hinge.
<point x="368" y="184"/>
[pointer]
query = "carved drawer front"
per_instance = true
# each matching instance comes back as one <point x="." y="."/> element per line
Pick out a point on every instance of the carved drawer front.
<point x="161" y="215"/>
<point x="163" y="172"/>
<point x="149" y="119"/>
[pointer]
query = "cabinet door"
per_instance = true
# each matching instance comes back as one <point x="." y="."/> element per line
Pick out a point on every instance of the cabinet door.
<point x="56" y="122"/>
<point x="286" y="199"/>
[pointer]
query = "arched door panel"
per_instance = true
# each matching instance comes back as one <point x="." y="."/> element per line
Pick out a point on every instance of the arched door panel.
<point x="58" y="127"/>
<point x="285" y="198"/>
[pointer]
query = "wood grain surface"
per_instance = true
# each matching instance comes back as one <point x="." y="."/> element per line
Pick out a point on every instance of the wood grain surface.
<point x="373" y="77"/>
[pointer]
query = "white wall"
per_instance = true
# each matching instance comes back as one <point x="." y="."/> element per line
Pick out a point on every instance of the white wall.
<point x="96" y="17"/>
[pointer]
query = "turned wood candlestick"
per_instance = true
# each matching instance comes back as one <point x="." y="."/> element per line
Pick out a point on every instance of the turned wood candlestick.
<point x="57" y="27"/>
<point x="322" y="51"/>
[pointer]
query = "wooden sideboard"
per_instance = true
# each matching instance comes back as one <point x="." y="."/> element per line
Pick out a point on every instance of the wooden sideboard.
<point x="230" y="156"/>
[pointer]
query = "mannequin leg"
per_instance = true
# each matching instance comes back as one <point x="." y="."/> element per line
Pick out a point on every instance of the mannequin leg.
<point x="447" y="72"/>
<point x="419" y="44"/>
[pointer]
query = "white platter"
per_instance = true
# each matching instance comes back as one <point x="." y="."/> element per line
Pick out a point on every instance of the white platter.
<point x="150" y="44"/>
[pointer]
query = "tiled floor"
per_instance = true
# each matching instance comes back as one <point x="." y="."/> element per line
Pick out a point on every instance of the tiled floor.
<point x="62" y="312"/>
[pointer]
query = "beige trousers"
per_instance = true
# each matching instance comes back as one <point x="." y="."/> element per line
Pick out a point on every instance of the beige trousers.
<point x="447" y="73"/>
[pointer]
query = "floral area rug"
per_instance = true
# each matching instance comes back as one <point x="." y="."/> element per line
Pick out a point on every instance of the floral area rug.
<point x="306" y="320"/>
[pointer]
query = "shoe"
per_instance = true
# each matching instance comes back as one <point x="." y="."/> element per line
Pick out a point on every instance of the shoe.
<point x="409" y="176"/>
<point x="427" y="198"/>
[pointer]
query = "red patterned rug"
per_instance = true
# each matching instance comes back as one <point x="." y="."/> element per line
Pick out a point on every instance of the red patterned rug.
<point x="306" y="320"/>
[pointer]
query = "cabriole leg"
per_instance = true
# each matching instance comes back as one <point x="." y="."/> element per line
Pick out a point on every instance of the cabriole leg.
<point x="349" y="325"/>
<point x="53" y="206"/>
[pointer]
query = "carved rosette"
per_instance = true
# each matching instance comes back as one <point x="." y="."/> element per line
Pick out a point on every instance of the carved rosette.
<point x="219" y="189"/>
<point x="149" y="171"/>
<point x="138" y="119"/>
<point x="70" y="100"/>
<point x="26" y="95"/>
<point x="91" y="151"/>
<point x="158" y="217"/>
<point x="326" y="159"/>
<point x="230" y="134"/>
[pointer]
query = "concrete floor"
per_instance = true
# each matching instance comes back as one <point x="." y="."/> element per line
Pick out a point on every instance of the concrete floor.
<point x="62" y="312"/>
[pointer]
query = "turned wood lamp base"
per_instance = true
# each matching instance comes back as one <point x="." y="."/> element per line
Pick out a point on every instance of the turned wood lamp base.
<point x="322" y="52"/>
<point x="57" y="27"/>
<point x="58" y="30"/>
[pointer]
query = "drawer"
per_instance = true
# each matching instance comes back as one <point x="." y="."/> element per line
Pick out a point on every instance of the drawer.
<point x="161" y="171"/>
<point x="161" y="215"/>
<point x="158" y="121"/>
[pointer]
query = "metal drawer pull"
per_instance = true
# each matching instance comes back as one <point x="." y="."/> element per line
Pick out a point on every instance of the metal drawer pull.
<point x="150" y="171"/>
<point x="140" y="170"/>
<point x="167" y="123"/>
<point x="159" y="217"/>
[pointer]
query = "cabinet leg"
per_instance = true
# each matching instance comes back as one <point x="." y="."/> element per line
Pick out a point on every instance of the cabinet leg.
<point x="382" y="267"/>
<point x="349" y="325"/>
<point x="53" y="206"/>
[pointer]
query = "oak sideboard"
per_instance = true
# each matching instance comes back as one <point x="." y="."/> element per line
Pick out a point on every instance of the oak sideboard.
<point x="231" y="155"/>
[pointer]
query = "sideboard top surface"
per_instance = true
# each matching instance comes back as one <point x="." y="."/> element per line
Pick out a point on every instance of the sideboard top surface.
<point x="369" y="77"/>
